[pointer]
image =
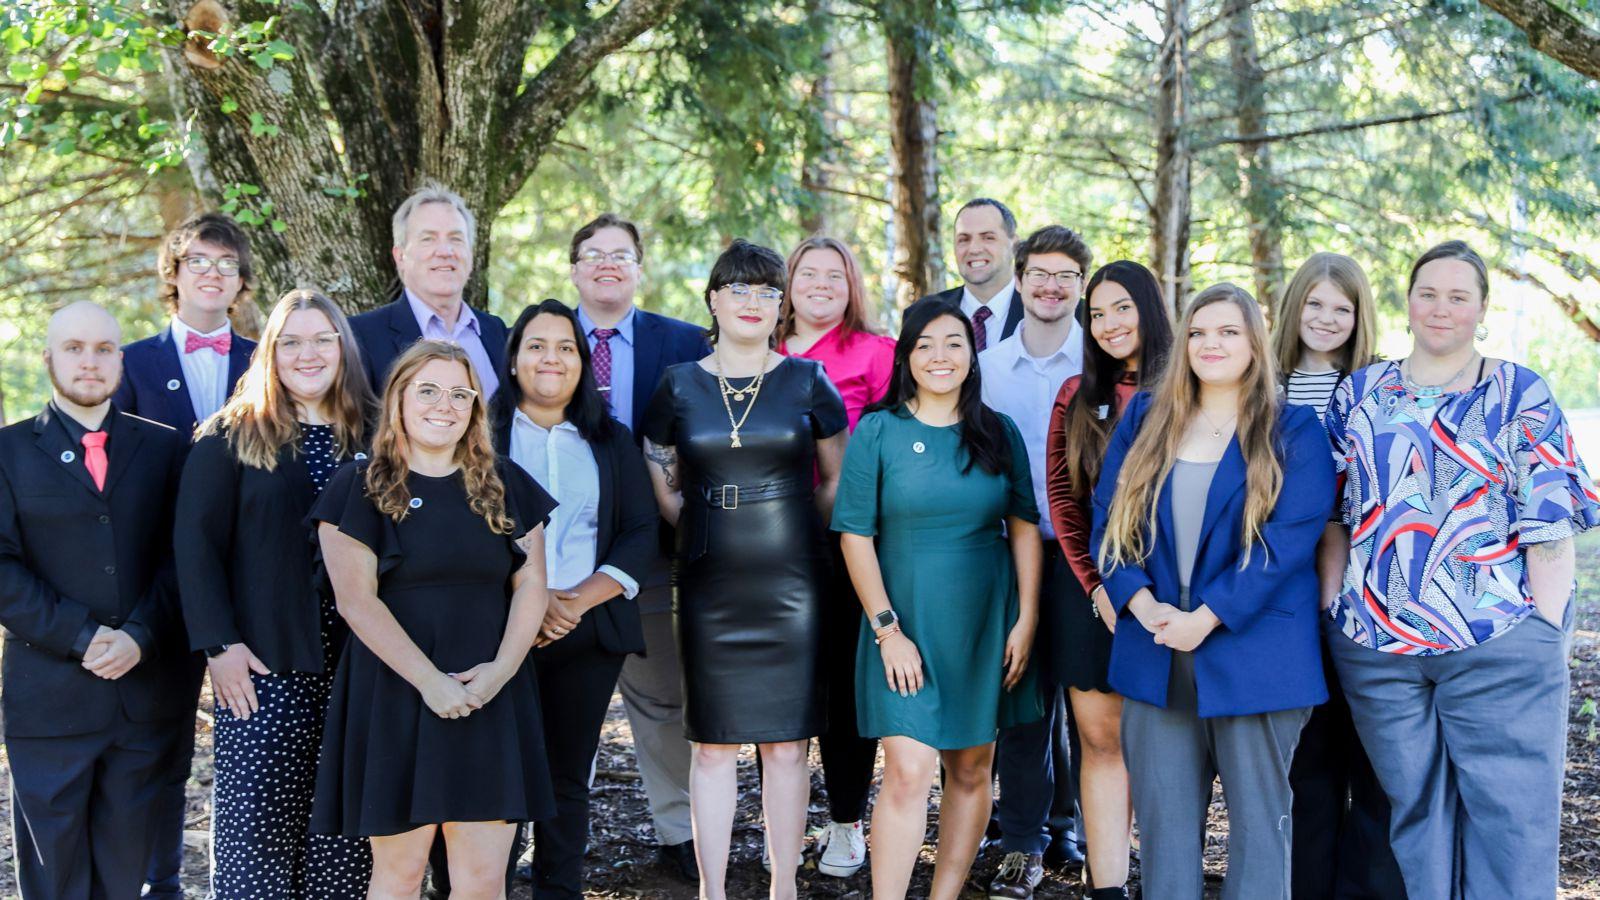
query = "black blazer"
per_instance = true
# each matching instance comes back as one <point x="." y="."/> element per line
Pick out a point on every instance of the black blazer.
<point x="658" y="342"/>
<point x="1013" y="314"/>
<point x="626" y="528"/>
<point x="72" y="558"/>
<point x="152" y="380"/>
<point x="384" y="333"/>
<point x="245" y="556"/>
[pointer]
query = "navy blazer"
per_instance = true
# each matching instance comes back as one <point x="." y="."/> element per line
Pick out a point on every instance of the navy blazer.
<point x="73" y="558"/>
<point x="384" y="333"/>
<point x="152" y="384"/>
<point x="625" y="535"/>
<point x="658" y="342"/>
<point x="952" y="296"/>
<point x="1267" y="653"/>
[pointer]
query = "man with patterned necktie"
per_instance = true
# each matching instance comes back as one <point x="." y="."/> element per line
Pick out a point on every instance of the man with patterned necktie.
<point x="96" y="682"/>
<point x="986" y="232"/>
<point x="631" y="348"/>
<point x="179" y="377"/>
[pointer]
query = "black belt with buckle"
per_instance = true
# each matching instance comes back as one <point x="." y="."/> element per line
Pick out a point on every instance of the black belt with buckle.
<point x="729" y="496"/>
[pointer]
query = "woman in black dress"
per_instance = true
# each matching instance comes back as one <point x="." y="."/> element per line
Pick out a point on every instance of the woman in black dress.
<point x="435" y="552"/>
<point x="735" y="443"/>
<point x="251" y="605"/>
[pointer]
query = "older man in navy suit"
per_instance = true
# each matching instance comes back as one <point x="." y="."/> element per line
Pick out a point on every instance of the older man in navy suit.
<point x="95" y="678"/>
<point x="986" y="233"/>
<point x="179" y="377"/>
<point x="434" y="232"/>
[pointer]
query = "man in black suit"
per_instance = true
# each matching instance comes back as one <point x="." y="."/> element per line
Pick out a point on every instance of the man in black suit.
<point x="433" y="239"/>
<point x="630" y="349"/>
<point x="986" y="233"/>
<point x="95" y="667"/>
<point x="179" y="377"/>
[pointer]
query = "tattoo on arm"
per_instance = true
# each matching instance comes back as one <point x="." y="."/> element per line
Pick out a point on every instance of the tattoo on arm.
<point x="1549" y="550"/>
<point x="667" y="459"/>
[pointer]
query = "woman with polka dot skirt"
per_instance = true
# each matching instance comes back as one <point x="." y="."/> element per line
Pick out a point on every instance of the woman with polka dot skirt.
<point x="245" y="564"/>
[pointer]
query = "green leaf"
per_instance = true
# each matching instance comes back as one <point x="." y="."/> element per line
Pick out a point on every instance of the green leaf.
<point x="279" y="226"/>
<point x="24" y="70"/>
<point x="259" y="126"/>
<point x="280" y="49"/>
<point x="229" y="105"/>
<point x="108" y="62"/>
<point x="16" y="41"/>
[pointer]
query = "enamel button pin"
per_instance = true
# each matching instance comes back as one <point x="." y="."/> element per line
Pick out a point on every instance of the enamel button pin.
<point x="416" y="503"/>
<point x="918" y="447"/>
<point x="68" y="456"/>
<point x="174" y="384"/>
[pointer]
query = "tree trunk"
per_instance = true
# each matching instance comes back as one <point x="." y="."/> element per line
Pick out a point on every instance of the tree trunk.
<point x="913" y="141"/>
<point x="1169" y="214"/>
<point x="1256" y="185"/>
<point x="1555" y="32"/>
<point x="814" y="178"/>
<point x="379" y="97"/>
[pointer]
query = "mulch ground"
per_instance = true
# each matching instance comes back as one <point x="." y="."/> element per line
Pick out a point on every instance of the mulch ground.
<point x="622" y="863"/>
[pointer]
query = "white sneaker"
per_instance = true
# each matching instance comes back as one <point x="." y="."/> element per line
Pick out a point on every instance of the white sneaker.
<point x="843" y="849"/>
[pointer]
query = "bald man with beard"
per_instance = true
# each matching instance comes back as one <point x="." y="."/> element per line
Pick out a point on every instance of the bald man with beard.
<point x="93" y="671"/>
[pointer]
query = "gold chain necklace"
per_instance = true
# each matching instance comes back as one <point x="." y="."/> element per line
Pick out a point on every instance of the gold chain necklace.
<point x="1215" y="431"/>
<point x="754" y="389"/>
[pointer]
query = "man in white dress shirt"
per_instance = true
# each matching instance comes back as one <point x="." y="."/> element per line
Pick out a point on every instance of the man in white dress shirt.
<point x="1021" y="377"/>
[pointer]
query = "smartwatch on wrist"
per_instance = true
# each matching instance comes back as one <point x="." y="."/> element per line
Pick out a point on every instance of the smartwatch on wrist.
<point x="885" y="619"/>
<point x="218" y="650"/>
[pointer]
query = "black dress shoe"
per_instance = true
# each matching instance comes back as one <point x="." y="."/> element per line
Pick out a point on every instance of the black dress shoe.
<point x="679" y="860"/>
<point x="1063" y="852"/>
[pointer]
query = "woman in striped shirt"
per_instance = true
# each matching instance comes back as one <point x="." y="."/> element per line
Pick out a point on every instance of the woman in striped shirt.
<point x="1325" y="331"/>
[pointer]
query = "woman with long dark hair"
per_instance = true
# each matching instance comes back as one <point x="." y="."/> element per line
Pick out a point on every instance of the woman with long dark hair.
<point x="1127" y="336"/>
<point x="600" y="540"/>
<point x="744" y="449"/>
<point x="1206" y="551"/>
<point x="435" y="553"/>
<point x="1451" y="595"/>
<point x="251" y="605"/>
<point x="939" y="531"/>
<point x="824" y="317"/>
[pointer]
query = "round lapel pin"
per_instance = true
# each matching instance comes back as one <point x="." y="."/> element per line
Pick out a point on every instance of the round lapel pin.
<point x="918" y="447"/>
<point x="174" y="384"/>
<point x="360" y="456"/>
<point x="68" y="456"/>
<point x="416" y="503"/>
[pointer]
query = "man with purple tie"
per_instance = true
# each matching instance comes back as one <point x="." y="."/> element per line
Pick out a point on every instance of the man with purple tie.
<point x="631" y="348"/>
<point x="986" y="233"/>
<point x="96" y="684"/>
<point x="179" y="377"/>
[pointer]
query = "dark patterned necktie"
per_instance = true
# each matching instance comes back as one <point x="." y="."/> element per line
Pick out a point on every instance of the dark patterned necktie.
<point x="602" y="359"/>
<point x="980" y="330"/>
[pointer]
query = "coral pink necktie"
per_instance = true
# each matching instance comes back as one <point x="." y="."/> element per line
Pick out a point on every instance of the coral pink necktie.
<point x="94" y="457"/>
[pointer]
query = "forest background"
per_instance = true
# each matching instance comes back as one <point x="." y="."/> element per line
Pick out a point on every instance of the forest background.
<point x="1211" y="139"/>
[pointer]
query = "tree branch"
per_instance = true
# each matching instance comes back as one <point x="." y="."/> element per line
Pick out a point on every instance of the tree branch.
<point x="561" y="85"/>
<point x="1569" y="304"/>
<point x="1357" y="125"/>
<point x="1555" y="32"/>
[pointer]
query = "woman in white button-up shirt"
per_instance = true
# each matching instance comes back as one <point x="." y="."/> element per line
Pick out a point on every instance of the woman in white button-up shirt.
<point x="599" y="542"/>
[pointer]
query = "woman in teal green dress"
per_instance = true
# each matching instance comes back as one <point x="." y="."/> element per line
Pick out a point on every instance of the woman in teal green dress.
<point x="933" y="484"/>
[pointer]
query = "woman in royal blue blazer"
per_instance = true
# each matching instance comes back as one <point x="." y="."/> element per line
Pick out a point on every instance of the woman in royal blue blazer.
<point x="1206" y="519"/>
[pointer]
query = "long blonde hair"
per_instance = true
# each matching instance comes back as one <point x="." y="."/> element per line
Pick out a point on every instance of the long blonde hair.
<point x="259" y="419"/>
<point x="389" y="468"/>
<point x="1132" y="518"/>
<point x="1348" y="278"/>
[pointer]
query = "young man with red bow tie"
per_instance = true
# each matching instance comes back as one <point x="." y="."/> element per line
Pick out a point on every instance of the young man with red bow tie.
<point x="179" y="377"/>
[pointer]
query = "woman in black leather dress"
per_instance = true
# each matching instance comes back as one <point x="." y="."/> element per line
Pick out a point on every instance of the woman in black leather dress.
<point x="735" y="443"/>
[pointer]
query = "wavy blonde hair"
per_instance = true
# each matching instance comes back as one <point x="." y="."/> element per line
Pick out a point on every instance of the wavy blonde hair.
<point x="389" y="468"/>
<point x="1348" y="278"/>
<point x="1174" y="403"/>
<point x="259" y="419"/>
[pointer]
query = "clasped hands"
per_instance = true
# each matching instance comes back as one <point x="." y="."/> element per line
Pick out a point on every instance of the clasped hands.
<point x="112" y="653"/>
<point x="457" y="695"/>
<point x="1172" y="626"/>
<point x="562" y="613"/>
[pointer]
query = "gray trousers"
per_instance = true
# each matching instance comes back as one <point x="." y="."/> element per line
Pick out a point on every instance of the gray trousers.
<point x="652" y="695"/>
<point x="1470" y="747"/>
<point x="1173" y="755"/>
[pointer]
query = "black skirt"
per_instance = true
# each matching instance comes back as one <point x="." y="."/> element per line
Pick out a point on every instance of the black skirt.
<point x="1079" y="645"/>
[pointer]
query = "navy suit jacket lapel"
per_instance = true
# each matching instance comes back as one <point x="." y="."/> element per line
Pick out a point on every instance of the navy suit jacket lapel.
<point x="238" y="360"/>
<point x="126" y="436"/>
<point x="646" y="363"/>
<point x="1013" y="314"/>
<point x="494" y="342"/>
<point x="1228" y="480"/>
<point x="52" y="440"/>
<point x="169" y="369"/>
<point x="402" y="327"/>
<point x="605" y="457"/>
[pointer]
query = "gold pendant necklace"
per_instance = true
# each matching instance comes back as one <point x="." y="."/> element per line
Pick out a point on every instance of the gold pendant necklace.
<point x="754" y="389"/>
<point x="1216" y="431"/>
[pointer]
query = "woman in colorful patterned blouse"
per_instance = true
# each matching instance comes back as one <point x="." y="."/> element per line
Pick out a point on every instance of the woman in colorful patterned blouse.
<point x="824" y="318"/>
<point x="1461" y="491"/>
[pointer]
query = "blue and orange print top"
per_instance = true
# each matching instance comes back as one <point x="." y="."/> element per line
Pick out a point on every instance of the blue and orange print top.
<point x="1441" y="497"/>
